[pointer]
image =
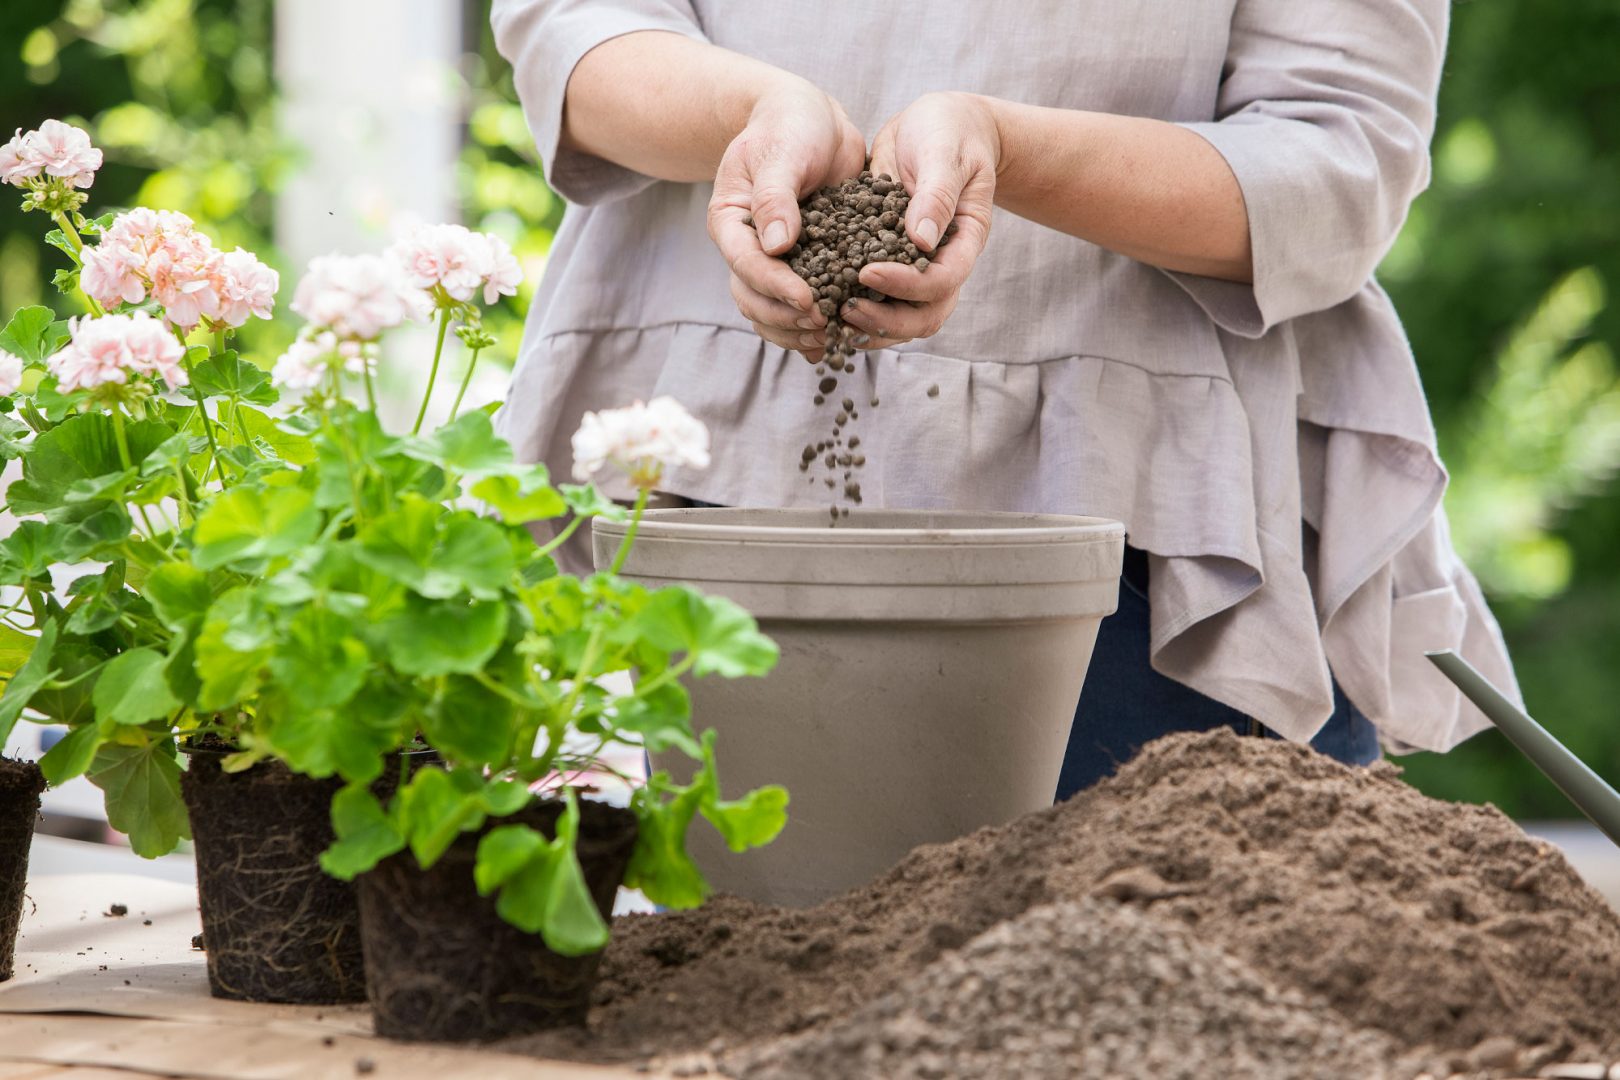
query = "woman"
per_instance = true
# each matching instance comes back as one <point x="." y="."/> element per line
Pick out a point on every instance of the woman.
<point x="1158" y="307"/>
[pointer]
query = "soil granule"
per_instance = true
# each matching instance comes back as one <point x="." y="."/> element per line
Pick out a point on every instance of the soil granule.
<point x="1441" y="925"/>
<point x="1081" y="988"/>
<point x="20" y="785"/>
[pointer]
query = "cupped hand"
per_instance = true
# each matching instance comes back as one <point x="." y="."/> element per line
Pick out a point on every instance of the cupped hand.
<point x="944" y="149"/>
<point x="797" y="139"/>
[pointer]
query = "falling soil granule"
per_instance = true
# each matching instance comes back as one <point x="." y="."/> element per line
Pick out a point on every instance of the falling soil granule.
<point x="1081" y="988"/>
<point x="1442" y="926"/>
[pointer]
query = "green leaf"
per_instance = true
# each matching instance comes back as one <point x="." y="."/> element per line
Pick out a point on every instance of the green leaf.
<point x="469" y="723"/>
<point x="662" y="718"/>
<point x="527" y="496"/>
<point x="31" y="550"/>
<point x="659" y="864"/>
<point x="323" y="741"/>
<point x="29" y="678"/>
<point x="319" y="659"/>
<point x="417" y="545"/>
<point x="81" y="448"/>
<point x="722" y="638"/>
<point x="433" y="638"/>
<point x="133" y="690"/>
<point x="15" y="649"/>
<point x="100" y="600"/>
<point x="433" y="811"/>
<point x="13" y="438"/>
<point x="365" y="834"/>
<point x="179" y="594"/>
<point x="467" y="446"/>
<point x="228" y="375"/>
<point x="29" y="334"/>
<point x="231" y="650"/>
<point x="585" y="501"/>
<point x="542" y="887"/>
<point x="78" y="663"/>
<point x="142" y="784"/>
<point x="72" y="754"/>
<point x="291" y="446"/>
<point x="752" y="821"/>
<point x="248" y="524"/>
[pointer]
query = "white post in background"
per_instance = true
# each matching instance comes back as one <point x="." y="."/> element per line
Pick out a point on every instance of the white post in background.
<point x="371" y="95"/>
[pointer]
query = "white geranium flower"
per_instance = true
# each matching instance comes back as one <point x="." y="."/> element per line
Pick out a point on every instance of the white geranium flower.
<point x="11" y="372"/>
<point x="641" y="439"/>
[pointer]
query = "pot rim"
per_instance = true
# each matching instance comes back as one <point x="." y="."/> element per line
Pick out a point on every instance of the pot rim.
<point x="689" y="523"/>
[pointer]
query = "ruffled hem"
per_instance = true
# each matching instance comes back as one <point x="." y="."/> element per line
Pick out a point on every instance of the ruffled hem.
<point x="1242" y="611"/>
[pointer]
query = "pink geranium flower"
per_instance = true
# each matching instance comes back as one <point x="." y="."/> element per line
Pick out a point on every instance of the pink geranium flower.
<point x="246" y="287"/>
<point x="11" y="372"/>
<point x="357" y="297"/>
<point x="459" y="261"/>
<point x="56" y="150"/>
<point x="112" y="348"/>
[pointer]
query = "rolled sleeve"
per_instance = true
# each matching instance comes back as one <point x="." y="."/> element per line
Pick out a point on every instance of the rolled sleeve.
<point x="1325" y="112"/>
<point x="543" y="40"/>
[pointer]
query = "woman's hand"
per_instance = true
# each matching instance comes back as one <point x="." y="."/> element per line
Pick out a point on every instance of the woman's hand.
<point x="945" y="149"/>
<point x="796" y="140"/>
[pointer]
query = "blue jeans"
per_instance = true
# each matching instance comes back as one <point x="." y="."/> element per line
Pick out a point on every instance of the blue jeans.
<point x="1125" y="704"/>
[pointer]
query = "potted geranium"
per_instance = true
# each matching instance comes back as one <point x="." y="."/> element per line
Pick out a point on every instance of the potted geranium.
<point x="298" y="601"/>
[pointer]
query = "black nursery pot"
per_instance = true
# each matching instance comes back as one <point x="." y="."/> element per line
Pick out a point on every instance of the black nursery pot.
<point x="276" y="927"/>
<point x="442" y="966"/>
<point x="20" y="785"/>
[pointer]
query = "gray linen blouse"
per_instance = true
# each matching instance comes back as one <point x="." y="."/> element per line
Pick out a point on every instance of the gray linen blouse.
<point x="1214" y="419"/>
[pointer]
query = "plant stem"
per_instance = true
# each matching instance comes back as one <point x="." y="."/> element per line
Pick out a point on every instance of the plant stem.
<point x="433" y="372"/>
<point x="562" y="537"/>
<point x="219" y="341"/>
<point x="630" y="533"/>
<point x="64" y="223"/>
<point x="123" y="443"/>
<point x="202" y="411"/>
<point x="371" y="387"/>
<point x="466" y="379"/>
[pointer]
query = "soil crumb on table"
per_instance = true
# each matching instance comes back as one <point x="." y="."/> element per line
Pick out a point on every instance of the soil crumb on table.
<point x="1442" y="927"/>
<point x="1080" y="988"/>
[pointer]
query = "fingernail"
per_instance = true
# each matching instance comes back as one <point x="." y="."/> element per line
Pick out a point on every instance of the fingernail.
<point x="810" y="340"/>
<point x="852" y="307"/>
<point x="776" y="235"/>
<point x="927" y="232"/>
<point x="806" y="323"/>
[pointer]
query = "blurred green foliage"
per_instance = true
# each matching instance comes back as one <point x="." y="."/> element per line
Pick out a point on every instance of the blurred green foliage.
<point x="1507" y="274"/>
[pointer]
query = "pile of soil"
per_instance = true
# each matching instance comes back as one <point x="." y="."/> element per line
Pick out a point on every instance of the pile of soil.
<point x="1081" y="988"/>
<point x="20" y="785"/>
<point x="847" y="226"/>
<point x="1442" y="926"/>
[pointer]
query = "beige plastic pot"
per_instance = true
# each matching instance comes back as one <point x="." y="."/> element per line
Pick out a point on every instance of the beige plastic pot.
<point x="931" y="662"/>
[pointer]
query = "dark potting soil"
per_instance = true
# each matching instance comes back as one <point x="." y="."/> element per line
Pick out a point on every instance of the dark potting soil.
<point x="277" y="927"/>
<point x="442" y="965"/>
<point x="847" y="226"/>
<point x="1443" y="927"/>
<point x="20" y="785"/>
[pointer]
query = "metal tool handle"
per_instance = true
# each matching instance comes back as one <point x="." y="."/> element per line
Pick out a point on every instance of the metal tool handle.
<point x="1585" y="788"/>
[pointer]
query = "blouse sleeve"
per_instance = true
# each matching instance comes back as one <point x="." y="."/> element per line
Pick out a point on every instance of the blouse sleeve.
<point x="543" y="40"/>
<point x="1325" y="112"/>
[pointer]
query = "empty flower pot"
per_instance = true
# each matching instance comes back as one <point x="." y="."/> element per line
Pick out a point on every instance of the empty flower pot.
<point x="931" y="663"/>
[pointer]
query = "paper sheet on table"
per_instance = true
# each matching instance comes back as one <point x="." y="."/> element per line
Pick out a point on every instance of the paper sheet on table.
<point x="73" y="957"/>
<point x="97" y="992"/>
<point x="237" y="1052"/>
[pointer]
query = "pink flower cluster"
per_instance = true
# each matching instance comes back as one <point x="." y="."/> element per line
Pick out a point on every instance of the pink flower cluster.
<point x="55" y="150"/>
<point x="357" y="297"/>
<point x="112" y="348"/>
<point x="308" y="360"/>
<point x="11" y="372"/>
<point x="160" y="253"/>
<point x="459" y="261"/>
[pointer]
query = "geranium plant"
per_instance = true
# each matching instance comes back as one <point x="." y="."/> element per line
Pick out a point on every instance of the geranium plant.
<point x="300" y="584"/>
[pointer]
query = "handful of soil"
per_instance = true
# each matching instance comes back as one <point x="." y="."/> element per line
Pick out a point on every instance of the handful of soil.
<point x="846" y="226"/>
